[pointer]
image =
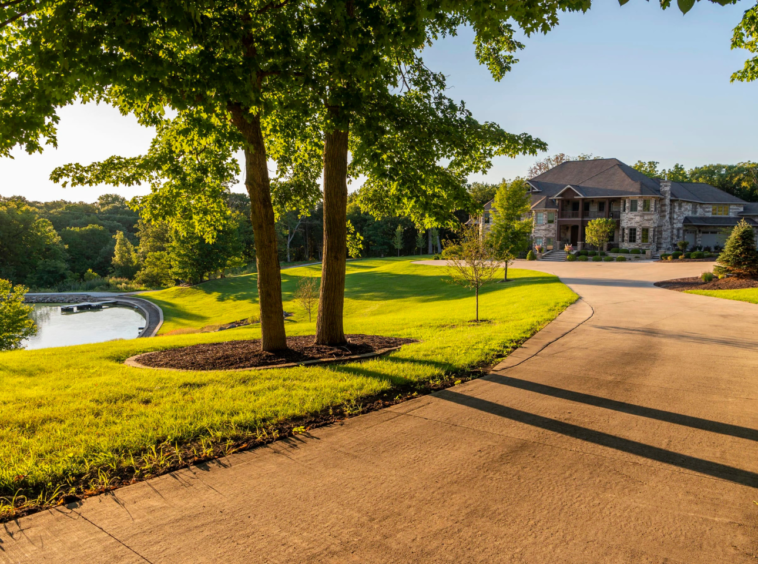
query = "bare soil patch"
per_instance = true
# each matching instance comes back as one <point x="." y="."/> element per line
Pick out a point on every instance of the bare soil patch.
<point x="695" y="283"/>
<point x="236" y="355"/>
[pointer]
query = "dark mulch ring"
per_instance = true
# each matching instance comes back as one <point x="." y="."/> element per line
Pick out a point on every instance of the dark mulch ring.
<point x="695" y="283"/>
<point x="247" y="354"/>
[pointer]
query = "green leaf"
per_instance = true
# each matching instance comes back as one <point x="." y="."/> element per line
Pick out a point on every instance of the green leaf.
<point x="622" y="2"/>
<point x="685" y="5"/>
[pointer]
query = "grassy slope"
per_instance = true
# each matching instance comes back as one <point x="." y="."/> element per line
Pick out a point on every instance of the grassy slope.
<point x="747" y="295"/>
<point x="68" y="412"/>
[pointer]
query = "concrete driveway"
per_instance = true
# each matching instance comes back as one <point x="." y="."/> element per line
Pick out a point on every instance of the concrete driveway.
<point x="626" y="431"/>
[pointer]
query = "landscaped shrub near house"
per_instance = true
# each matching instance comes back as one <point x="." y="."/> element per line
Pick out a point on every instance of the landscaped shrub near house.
<point x="601" y="253"/>
<point x="697" y="255"/>
<point x="436" y="257"/>
<point x="706" y="277"/>
<point x="739" y="257"/>
<point x="530" y="255"/>
<point x="620" y="259"/>
<point x="686" y="255"/>
<point x="636" y="251"/>
<point x="608" y="259"/>
<point x="583" y="258"/>
<point x="583" y="253"/>
<point x="591" y="253"/>
<point x="615" y="250"/>
<point x="670" y="257"/>
<point x="624" y="251"/>
<point x="707" y="249"/>
<point x="676" y="254"/>
<point x="665" y="256"/>
<point x="597" y="259"/>
<point x="571" y="258"/>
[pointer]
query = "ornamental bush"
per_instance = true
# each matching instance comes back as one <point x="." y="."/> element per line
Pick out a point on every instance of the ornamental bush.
<point x="597" y="259"/>
<point x="697" y="255"/>
<point x="601" y="253"/>
<point x="636" y="252"/>
<point x="676" y="254"/>
<point x="582" y="258"/>
<point x="608" y="259"/>
<point x="583" y="253"/>
<point x="706" y="277"/>
<point x="615" y="250"/>
<point x="740" y="257"/>
<point x="624" y="251"/>
<point x="530" y="255"/>
<point x="591" y="253"/>
<point x="665" y="256"/>
<point x="620" y="259"/>
<point x="571" y="258"/>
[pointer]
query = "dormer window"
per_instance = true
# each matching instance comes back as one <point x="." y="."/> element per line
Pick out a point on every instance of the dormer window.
<point x="720" y="210"/>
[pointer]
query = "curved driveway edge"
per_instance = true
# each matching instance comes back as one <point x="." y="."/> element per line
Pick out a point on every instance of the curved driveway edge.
<point x="628" y="436"/>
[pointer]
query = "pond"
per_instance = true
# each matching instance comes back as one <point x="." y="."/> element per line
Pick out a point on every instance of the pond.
<point x="56" y="329"/>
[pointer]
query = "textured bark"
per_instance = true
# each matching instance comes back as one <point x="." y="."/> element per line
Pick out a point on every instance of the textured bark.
<point x="329" y="327"/>
<point x="273" y="336"/>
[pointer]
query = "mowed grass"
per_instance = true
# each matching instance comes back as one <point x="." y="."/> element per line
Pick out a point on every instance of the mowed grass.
<point x="72" y="418"/>
<point x="749" y="295"/>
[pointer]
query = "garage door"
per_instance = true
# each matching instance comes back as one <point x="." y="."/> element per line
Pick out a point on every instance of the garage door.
<point x="714" y="238"/>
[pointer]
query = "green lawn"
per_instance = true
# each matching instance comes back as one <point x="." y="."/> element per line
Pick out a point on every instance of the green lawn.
<point x="747" y="295"/>
<point x="74" y="417"/>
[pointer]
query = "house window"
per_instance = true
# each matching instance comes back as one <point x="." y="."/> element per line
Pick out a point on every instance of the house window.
<point x="538" y="241"/>
<point x="646" y="205"/>
<point x="551" y="217"/>
<point x="633" y="205"/>
<point x="487" y="217"/>
<point x="549" y="244"/>
<point x="632" y="234"/>
<point x="540" y="218"/>
<point x="645" y="235"/>
<point x="601" y="206"/>
<point x="720" y="210"/>
<point x="586" y="206"/>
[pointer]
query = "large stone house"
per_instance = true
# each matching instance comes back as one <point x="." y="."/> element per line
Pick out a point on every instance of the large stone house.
<point x="650" y="213"/>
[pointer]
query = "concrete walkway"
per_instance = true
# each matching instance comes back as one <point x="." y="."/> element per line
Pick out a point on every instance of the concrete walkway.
<point x="626" y="431"/>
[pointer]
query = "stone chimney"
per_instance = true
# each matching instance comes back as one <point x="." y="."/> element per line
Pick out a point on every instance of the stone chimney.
<point x="666" y="217"/>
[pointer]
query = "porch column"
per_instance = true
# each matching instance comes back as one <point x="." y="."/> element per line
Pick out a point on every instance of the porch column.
<point x="580" y="235"/>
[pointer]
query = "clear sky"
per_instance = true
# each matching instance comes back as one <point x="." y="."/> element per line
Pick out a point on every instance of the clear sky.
<point x="631" y="82"/>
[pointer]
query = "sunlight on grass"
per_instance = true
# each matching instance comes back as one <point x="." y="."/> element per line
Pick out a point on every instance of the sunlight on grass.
<point x="74" y="414"/>
<point x="749" y="295"/>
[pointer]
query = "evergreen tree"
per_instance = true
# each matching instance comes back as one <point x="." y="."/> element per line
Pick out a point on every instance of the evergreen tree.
<point x="125" y="263"/>
<point x="739" y="257"/>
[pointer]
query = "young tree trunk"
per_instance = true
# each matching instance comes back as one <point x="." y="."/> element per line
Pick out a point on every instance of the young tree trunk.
<point x="477" y="304"/>
<point x="429" y="238"/>
<point x="273" y="336"/>
<point x="329" y="327"/>
<point x="505" y="266"/>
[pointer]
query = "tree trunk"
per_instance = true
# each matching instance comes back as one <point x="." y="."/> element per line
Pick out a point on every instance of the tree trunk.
<point x="477" y="304"/>
<point x="329" y="327"/>
<point x="273" y="336"/>
<point x="429" y="238"/>
<point x="439" y="245"/>
<point x="505" y="266"/>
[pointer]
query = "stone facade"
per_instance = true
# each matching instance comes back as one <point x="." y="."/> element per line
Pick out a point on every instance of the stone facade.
<point x="545" y="231"/>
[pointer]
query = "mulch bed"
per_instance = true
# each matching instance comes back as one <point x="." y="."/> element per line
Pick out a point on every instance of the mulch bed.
<point x="694" y="283"/>
<point x="232" y="355"/>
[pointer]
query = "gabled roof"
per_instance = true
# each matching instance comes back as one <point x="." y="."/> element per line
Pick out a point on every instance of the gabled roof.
<point x="610" y="178"/>
<point x="599" y="178"/>
<point x="750" y="209"/>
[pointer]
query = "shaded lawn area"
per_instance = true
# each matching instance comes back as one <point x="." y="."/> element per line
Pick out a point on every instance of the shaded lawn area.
<point x="72" y="418"/>
<point x="749" y="295"/>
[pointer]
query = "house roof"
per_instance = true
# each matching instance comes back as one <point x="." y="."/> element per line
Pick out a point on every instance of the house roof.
<point x="702" y="193"/>
<point x="610" y="178"/>
<point x="750" y="209"/>
<point x="716" y="221"/>
<point x="543" y="203"/>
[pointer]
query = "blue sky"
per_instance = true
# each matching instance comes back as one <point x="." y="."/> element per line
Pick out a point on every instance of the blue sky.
<point x="631" y="82"/>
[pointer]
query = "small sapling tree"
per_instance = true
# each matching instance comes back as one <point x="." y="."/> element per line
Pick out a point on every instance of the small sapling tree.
<point x="598" y="232"/>
<point x="471" y="265"/>
<point x="420" y="241"/>
<point x="739" y="257"/>
<point x="397" y="240"/>
<point x="307" y="294"/>
<point x="511" y="227"/>
<point x="15" y="321"/>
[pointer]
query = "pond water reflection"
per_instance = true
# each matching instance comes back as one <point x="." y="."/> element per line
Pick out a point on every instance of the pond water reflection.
<point x="56" y="329"/>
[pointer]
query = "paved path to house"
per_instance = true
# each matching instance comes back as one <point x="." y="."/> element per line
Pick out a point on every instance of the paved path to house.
<point x="633" y="438"/>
